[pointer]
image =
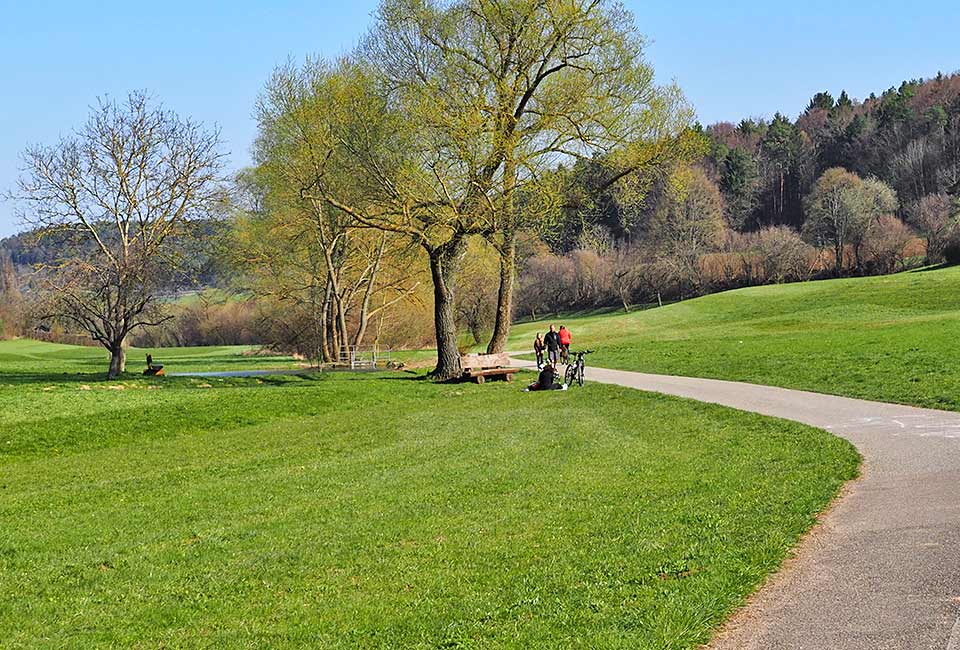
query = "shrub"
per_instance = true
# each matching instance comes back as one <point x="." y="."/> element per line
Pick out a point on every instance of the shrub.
<point x="951" y="250"/>
<point x="783" y="256"/>
<point x="885" y="244"/>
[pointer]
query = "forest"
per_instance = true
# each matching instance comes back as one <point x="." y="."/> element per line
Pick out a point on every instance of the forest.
<point x="392" y="202"/>
<point x="756" y="205"/>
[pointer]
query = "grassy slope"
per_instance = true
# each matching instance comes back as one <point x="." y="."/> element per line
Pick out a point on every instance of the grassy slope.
<point x="386" y="512"/>
<point x="891" y="338"/>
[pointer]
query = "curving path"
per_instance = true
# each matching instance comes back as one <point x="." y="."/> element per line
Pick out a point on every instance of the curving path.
<point x="882" y="569"/>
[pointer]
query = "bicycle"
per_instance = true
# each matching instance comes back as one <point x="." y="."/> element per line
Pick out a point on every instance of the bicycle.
<point x="574" y="372"/>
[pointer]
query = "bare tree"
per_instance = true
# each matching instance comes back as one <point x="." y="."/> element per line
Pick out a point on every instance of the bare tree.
<point x="783" y="256"/>
<point x="885" y="244"/>
<point x="122" y="196"/>
<point x="936" y="217"/>
<point x="688" y="225"/>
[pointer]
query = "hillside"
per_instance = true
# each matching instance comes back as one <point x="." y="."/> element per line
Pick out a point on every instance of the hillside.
<point x="891" y="338"/>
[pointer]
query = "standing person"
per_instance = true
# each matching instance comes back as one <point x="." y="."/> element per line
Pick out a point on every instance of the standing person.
<point x="552" y="341"/>
<point x="538" y="348"/>
<point x="565" y="340"/>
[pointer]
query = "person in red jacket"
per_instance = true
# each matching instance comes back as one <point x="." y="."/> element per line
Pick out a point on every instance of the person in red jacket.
<point x="565" y="340"/>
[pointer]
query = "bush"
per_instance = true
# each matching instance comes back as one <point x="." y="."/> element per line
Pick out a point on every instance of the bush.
<point x="783" y="255"/>
<point x="951" y="251"/>
<point x="885" y="244"/>
<point x="206" y="321"/>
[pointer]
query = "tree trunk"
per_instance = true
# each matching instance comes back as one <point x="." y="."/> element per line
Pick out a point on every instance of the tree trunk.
<point x="368" y="292"/>
<point x="624" y="301"/>
<point x="443" y="271"/>
<point x="118" y="360"/>
<point x="781" y="196"/>
<point x="324" y="339"/>
<point x="508" y="264"/>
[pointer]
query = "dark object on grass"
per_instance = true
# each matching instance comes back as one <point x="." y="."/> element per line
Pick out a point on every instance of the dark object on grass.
<point x="547" y="380"/>
<point x="154" y="370"/>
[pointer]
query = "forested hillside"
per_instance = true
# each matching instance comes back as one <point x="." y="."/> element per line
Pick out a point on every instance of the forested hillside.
<point x="848" y="187"/>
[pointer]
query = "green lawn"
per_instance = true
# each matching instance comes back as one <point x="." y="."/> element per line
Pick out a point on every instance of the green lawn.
<point x="383" y="511"/>
<point x="25" y="360"/>
<point x="891" y="338"/>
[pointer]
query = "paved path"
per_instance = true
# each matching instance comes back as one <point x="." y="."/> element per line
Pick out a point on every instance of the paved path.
<point x="882" y="570"/>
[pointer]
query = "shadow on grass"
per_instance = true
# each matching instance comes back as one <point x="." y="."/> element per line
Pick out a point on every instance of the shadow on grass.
<point x="935" y="267"/>
<point x="409" y="375"/>
<point x="44" y="378"/>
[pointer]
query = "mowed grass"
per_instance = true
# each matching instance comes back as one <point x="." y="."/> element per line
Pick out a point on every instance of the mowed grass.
<point x="384" y="511"/>
<point x="891" y="338"/>
<point x="28" y="361"/>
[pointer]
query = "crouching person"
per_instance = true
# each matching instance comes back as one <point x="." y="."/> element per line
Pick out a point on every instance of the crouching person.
<point x="547" y="380"/>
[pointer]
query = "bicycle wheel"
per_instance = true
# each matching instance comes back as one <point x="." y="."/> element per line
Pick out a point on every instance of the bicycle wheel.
<point x="580" y="375"/>
<point x="569" y="375"/>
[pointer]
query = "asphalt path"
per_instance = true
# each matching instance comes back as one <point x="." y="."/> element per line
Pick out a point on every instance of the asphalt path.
<point x="881" y="570"/>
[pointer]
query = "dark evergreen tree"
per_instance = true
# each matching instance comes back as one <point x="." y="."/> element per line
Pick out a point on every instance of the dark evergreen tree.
<point x="738" y="183"/>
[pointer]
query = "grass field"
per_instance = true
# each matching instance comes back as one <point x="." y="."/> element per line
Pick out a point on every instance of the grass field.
<point x="890" y="338"/>
<point x="27" y="361"/>
<point x="383" y="511"/>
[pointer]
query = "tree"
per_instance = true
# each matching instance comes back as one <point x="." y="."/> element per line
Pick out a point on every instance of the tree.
<point x="301" y="252"/>
<point x="122" y="195"/>
<point x="539" y="82"/>
<point x="689" y="225"/>
<point x="843" y="101"/>
<point x="879" y="201"/>
<point x="822" y="101"/>
<point x="885" y="242"/>
<point x="936" y="217"/>
<point x="738" y="182"/>
<point x="783" y="255"/>
<point x="474" y="100"/>
<point x="778" y="151"/>
<point x="840" y="210"/>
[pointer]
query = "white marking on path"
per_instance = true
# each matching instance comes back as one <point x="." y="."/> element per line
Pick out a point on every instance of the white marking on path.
<point x="954" y="642"/>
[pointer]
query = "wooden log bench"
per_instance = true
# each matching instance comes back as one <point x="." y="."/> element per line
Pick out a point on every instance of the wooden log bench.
<point x="480" y="366"/>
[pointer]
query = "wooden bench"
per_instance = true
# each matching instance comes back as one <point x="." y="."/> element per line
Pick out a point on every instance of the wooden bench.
<point x="480" y="366"/>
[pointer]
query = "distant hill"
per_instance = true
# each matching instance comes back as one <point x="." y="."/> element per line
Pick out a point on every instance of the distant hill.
<point x="26" y="250"/>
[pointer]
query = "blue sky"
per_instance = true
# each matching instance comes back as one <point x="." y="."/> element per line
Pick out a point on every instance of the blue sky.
<point x="209" y="60"/>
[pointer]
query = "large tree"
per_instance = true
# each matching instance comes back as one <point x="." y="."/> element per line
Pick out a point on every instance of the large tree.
<point x="302" y="253"/>
<point x="484" y="97"/>
<point x="121" y="196"/>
